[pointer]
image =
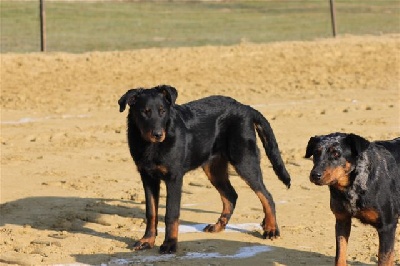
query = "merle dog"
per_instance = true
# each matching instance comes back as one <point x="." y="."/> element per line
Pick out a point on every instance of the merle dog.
<point x="167" y="140"/>
<point x="364" y="182"/>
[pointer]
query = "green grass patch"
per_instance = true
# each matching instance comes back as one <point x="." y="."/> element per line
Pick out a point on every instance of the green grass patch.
<point x="103" y="26"/>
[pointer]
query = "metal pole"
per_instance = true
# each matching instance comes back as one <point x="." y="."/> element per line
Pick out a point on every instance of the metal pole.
<point x="333" y="17"/>
<point x="42" y="27"/>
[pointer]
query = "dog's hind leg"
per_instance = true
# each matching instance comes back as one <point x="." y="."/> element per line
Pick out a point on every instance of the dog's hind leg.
<point x="254" y="179"/>
<point x="248" y="167"/>
<point x="217" y="172"/>
<point x="243" y="154"/>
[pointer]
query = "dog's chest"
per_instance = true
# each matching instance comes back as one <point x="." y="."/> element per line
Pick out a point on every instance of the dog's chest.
<point x="357" y="202"/>
<point x="159" y="171"/>
<point x="357" y="194"/>
<point x="351" y="201"/>
<point x="154" y="164"/>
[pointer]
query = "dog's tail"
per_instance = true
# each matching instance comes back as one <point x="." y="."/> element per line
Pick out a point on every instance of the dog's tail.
<point x="268" y="140"/>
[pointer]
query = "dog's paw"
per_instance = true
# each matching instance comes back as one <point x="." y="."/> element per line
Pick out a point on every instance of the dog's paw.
<point x="271" y="234"/>
<point x="143" y="244"/>
<point x="271" y="230"/>
<point x="169" y="246"/>
<point x="213" y="228"/>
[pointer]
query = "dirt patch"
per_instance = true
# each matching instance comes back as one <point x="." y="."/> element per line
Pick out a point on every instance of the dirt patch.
<point x="70" y="192"/>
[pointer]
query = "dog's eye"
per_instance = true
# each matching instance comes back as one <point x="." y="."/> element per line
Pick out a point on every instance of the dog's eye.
<point x="336" y="154"/>
<point x="161" y="111"/>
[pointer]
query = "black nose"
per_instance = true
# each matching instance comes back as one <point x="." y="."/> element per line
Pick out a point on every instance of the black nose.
<point x="157" y="134"/>
<point x="315" y="176"/>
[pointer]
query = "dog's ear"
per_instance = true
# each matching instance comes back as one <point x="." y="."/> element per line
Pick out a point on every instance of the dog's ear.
<point x="357" y="144"/>
<point x="128" y="98"/>
<point x="312" y="144"/>
<point x="169" y="92"/>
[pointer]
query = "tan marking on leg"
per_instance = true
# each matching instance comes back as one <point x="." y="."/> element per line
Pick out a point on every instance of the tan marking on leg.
<point x="207" y="170"/>
<point x="342" y="241"/>
<point x="151" y="224"/>
<point x="170" y="243"/>
<point x="174" y="229"/>
<point x="221" y="175"/>
<point x="342" y="254"/>
<point x="386" y="259"/>
<point x="270" y="220"/>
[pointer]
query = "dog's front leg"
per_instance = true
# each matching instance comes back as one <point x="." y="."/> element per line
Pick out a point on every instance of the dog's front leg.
<point x="386" y="244"/>
<point x="152" y="192"/>
<point x="342" y="230"/>
<point x="174" y="193"/>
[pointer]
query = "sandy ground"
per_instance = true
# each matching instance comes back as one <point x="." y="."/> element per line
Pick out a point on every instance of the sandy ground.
<point x="70" y="192"/>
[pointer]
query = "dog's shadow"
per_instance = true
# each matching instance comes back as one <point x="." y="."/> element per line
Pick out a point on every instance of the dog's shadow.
<point x="220" y="252"/>
<point x="71" y="214"/>
<point x="77" y="215"/>
<point x="89" y="215"/>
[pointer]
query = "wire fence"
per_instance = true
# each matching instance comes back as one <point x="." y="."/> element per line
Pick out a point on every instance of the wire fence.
<point x="82" y="26"/>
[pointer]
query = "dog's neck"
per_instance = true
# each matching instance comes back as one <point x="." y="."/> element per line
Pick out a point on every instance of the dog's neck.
<point x="357" y="185"/>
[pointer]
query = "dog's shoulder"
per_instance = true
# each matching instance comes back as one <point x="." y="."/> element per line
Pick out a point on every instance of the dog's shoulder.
<point x="376" y="164"/>
<point x="377" y="175"/>
<point x="384" y="156"/>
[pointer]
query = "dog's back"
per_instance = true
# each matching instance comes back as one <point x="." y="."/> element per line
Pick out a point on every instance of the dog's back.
<point x="218" y="120"/>
<point x="393" y="146"/>
<point x="384" y="172"/>
<point x="206" y="108"/>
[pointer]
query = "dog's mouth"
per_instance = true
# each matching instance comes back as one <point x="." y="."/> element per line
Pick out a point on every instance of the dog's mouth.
<point x="157" y="139"/>
<point x="338" y="183"/>
<point x="322" y="181"/>
<point x="318" y="182"/>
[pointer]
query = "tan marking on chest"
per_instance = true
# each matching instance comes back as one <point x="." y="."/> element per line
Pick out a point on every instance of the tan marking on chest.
<point x="368" y="215"/>
<point x="162" y="168"/>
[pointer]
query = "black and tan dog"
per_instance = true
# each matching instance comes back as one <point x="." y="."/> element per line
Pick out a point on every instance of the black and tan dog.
<point x="167" y="140"/>
<point x="364" y="182"/>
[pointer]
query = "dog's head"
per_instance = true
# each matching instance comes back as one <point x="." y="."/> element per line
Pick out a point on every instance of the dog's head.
<point x="334" y="158"/>
<point x="150" y="110"/>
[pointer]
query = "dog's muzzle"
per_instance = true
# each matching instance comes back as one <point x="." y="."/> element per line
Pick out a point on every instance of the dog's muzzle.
<point x="154" y="136"/>
<point x="158" y="135"/>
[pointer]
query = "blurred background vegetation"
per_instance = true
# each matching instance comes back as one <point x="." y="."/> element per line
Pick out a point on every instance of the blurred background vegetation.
<point x="82" y="26"/>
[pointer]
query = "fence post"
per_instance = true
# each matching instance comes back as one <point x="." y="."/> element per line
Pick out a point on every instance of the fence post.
<point x="42" y="27"/>
<point x="333" y="17"/>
